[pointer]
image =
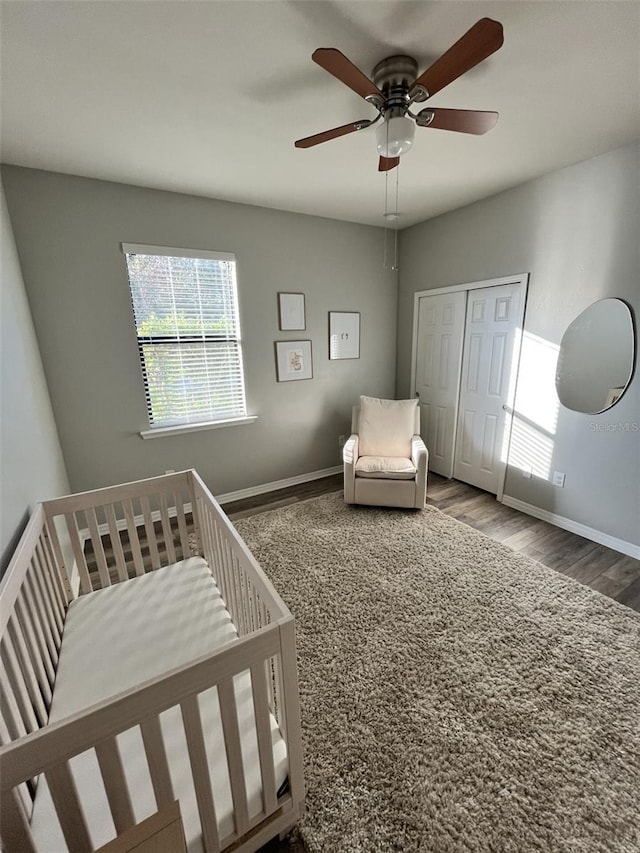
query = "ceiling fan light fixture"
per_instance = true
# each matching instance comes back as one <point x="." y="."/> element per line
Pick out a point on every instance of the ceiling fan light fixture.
<point x="395" y="136"/>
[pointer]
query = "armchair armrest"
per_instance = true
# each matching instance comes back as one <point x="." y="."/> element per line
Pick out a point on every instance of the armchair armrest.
<point x="419" y="453"/>
<point x="350" y="457"/>
<point x="420" y="458"/>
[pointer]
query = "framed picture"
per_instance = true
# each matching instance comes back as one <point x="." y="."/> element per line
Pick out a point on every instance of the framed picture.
<point x="344" y="334"/>
<point x="293" y="360"/>
<point x="291" y="316"/>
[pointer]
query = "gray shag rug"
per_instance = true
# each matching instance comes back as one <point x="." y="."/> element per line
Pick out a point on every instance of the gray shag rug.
<point x="456" y="696"/>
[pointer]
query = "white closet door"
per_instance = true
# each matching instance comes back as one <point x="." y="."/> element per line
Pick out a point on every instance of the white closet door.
<point x="438" y="360"/>
<point x="489" y="367"/>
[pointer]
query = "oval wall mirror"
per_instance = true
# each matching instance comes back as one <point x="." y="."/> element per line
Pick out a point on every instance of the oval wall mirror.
<point x="596" y="358"/>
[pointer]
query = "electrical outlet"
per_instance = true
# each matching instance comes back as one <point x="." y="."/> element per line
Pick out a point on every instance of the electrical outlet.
<point x="341" y="440"/>
<point x="527" y="472"/>
<point x="558" y="479"/>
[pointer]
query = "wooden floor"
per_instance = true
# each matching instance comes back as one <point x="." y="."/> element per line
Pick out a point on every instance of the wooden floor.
<point x="610" y="572"/>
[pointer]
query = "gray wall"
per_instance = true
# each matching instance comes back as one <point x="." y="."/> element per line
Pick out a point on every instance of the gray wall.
<point x="68" y="232"/>
<point x="32" y="467"/>
<point x="576" y="231"/>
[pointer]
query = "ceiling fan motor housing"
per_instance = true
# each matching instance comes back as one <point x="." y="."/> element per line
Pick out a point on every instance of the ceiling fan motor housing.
<point x="394" y="77"/>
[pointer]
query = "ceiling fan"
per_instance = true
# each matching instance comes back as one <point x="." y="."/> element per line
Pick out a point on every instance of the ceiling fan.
<point x="394" y="88"/>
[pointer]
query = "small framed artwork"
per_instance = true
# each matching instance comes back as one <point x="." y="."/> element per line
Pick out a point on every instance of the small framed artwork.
<point x="293" y="360"/>
<point x="344" y="334"/>
<point x="291" y="316"/>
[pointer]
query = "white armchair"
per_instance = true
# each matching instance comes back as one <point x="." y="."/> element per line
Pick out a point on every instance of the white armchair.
<point x="385" y="460"/>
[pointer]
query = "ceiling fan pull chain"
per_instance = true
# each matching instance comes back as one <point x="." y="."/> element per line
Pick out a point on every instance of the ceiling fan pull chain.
<point x="386" y="210"/>
<point x="395" y="248"/>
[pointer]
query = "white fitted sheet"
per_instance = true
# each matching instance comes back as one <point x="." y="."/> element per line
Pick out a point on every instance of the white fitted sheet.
<point x="115" y="639"/>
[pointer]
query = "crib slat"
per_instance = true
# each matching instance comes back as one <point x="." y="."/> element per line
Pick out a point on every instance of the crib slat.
<point x="157" y="760"/>
<point x="221" y="574"/>
<point x="10" y="710"/>
<point x="166" y="529"/>
<point x="18" y="684"/>
<point x="150" y="531"/>
<point x="116" y="542"/>
<point x="260" y="692"/>
<point x="41" y="643"/>
<point x="281" y="716"/>
<point x="182" y="525"/>
<point x="43" y="673"/>
<point x="205" y="530"/>
<point x="34" y="599"/>
<point x="233" y="598"/>
<point x="224" y="571"/>
<point x="200" y="771"/>
<point x="229" y="716"/>
<point x="134" y="541"/>
<point x="115" y="784"/>
<point x="217" y="568"/>
<point x="291" y="724"/>
<point x="208" y="540"/>
<point x="214" y="562"/>
<point x="242" y="593"/>
<point x="65" y="798"/>
<point x="61" y="575"/>
<point x="25" y="801"/>
<point x="78" y="553"/>
<point x="53" y="573"/>
<point x="213" y="551"/>
<point x="197" y="516"/>
<point x="254" y="608"/>
<point x="27" y="669"/>
<point x="98" y="550"/>
<point x="237" y="610"/>
<point x="45" y="573"/>
<point x="14" y="826"/>
<point x="42" y="593"/>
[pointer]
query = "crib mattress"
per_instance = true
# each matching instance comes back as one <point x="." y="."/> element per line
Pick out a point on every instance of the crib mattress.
<point x="115" y="639"/>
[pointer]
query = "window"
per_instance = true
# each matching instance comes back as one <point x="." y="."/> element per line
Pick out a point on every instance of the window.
<point x="185" y="307"/>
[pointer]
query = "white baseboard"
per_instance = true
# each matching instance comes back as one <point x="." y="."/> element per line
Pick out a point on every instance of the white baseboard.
<point x="252" y="491"/>
<point x="613" y="542"/>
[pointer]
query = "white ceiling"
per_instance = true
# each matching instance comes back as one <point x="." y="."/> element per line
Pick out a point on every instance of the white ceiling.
<point x="208" y="97"/>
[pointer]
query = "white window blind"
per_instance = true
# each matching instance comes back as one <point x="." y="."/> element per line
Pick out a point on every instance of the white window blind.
<point x="185" y="307"/>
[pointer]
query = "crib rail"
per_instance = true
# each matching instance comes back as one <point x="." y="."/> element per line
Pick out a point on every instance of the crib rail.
<point x="122" y="531"/>
<point x="33" y="607"/>
<point x="250" y="596"/>
<point x="50" y="750"/>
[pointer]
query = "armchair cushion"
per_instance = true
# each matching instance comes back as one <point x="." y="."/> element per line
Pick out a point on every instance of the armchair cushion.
<point x="386" y="427"/>
<point x="385" y="468"/>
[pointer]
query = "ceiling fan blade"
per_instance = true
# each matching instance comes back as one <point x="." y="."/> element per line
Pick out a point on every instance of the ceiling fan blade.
<point x="462" y="121"/>
<point x="387" y="163"/>
<point x="483" y="39"/>
<point x="334" y="133"/>
<point x="336" y="63"/>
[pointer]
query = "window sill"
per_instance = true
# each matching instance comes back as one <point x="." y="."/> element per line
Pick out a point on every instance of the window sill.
<point x="161" y="432"/>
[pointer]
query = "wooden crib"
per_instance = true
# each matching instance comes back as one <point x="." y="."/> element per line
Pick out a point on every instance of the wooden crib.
<point x="97" y="734"/>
